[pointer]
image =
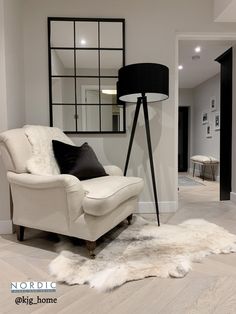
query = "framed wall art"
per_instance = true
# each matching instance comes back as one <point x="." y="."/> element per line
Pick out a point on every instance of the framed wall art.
<point x="217" y="121"/>
<point x="213" y="103"/>
<point x="204" y="117"/>
<point x="208" y="130"/>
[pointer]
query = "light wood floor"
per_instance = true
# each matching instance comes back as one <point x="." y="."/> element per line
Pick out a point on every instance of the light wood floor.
<point x="209" y="288"/>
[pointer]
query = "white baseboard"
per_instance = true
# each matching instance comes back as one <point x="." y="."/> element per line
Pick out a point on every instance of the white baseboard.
<point x="149" y="207"/>
<point x="233" y="197"/>
<point x="5" y="226"/>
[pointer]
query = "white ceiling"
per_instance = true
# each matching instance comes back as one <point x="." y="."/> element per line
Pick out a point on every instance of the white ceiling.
<point x="197" y="71"/>
<point x="225" y="10"/>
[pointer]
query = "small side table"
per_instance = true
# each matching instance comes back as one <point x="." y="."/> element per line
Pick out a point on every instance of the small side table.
<point x="203" y="162"/>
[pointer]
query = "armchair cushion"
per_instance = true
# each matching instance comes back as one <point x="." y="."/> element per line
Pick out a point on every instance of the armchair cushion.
<point x="104" y="194"/>
<point x="204" y="159"/>
<point x="80" y="161"/>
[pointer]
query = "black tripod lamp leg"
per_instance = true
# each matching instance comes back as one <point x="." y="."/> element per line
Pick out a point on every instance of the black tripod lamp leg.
<point x="132" y="133"/>
<point x="145" y="111"/>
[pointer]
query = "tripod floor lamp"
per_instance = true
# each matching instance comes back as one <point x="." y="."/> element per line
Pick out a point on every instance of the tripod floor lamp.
<point x="142" y="83"/>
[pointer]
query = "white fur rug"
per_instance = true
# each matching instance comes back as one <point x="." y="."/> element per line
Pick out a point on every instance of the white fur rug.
<point x="142" y="250"/>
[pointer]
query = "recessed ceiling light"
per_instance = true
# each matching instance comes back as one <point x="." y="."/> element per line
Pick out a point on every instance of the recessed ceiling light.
<point x="83" y="42"/>
<point x="197" y="49"/>
<point x="180" y="67"/>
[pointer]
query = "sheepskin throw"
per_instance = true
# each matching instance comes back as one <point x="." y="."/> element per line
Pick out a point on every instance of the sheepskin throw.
<point x="142" y="250"/>
<point x="42" y="161"/>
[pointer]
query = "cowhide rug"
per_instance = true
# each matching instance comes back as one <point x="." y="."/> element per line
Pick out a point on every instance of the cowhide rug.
<point x="142" y="250"/>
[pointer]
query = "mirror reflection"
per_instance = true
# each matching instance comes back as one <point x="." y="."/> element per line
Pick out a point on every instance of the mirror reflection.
<point x="62" y="34"/>
<point x="91" y="118"/>
<point x="64" y="117"/>
<point x="85" y="56"/>
<point x="86" y="34"/>
<point x="108" y="41"/>
<point x="87" y="62"/>
<point x="63" y="90"/>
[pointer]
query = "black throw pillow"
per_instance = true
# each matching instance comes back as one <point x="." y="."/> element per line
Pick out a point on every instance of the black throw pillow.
<point x="80" y="161"/>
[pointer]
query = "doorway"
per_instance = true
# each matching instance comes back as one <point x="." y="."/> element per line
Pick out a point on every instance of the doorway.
<point x="208" y="123"/>
<point x="183" y="139"/>
<point x="226" y="62"/>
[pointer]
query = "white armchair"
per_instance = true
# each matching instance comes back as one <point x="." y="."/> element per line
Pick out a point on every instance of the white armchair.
<point x="62" y="203"/>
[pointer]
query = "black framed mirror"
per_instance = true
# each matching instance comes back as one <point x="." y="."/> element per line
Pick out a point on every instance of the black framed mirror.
<point x="84" y="56"/>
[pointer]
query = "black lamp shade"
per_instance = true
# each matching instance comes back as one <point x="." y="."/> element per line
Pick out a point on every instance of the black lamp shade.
<point x="135" y="80"/>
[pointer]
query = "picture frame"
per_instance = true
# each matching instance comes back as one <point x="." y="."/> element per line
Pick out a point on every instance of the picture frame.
<point x="209" y="130"/>
<point x="204" y="117"/>
<point x="213" y="104"/>
<point x="217" y="121"/>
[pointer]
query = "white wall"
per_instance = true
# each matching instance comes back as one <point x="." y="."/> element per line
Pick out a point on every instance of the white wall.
<point x="151" y="28"/>
<point x="12" y="104"/>
<point x="3" y="106"/>
<point x="186" y="97"/>
<point x="14" y="63"/>
<point x="4" y="192"/>
<point x="202" y="96"/>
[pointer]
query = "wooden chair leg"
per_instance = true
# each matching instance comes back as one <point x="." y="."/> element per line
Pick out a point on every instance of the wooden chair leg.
<point x="20" y="233"/>
<point x="213" y="172"/>
<point x="91" y="245"/>
<point x="129" y="218"/>
<point x="194" y="165"/>
<point x="203" y="172"/>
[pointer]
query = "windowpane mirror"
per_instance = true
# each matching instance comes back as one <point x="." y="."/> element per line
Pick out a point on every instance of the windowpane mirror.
<point x="84" y="58"/>
<point x="86" y="34"/>
<point x="64" y="117"/>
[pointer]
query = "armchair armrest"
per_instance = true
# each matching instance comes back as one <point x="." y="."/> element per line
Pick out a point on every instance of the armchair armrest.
<point x="33" y="181"/>
<point x="50" y="192"/>
<point x="113" y="171"/>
